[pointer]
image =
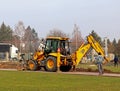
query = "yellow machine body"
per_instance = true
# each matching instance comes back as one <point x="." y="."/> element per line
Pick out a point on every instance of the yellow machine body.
<point x="52" y="59"/>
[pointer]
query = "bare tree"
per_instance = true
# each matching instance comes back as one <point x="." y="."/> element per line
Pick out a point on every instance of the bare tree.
<point x="20" y="31"/>
<point x="31" y="40"/>
<point x="57" y="33"/>
<point x="16" y="41"/>
<point x="76" y="39"/>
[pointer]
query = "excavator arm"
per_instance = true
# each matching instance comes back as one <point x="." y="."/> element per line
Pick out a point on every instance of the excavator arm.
<point x="79" y="54"/>
<point x="97" y="47"/>
<point x="83" y="49"/>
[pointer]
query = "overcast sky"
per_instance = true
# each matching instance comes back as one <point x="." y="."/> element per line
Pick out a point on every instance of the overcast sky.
<point x="102" y="16"/>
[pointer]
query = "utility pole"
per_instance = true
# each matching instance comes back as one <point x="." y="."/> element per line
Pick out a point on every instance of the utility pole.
<point x="76" y="35"/>
<point x="106" y="48"/>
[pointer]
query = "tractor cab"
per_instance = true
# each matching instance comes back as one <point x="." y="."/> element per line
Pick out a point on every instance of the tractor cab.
<point x="55" y="44"/>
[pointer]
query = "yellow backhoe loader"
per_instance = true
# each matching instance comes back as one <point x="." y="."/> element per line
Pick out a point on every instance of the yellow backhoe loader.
<point x="56" y="54"/>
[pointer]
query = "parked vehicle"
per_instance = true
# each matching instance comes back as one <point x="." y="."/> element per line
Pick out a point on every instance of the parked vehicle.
<point x="8" y="50"/>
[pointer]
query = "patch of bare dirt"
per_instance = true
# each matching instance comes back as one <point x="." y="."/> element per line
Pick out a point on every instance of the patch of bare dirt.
<point x="9" y="65"/>
<point x="91" y="70"/>
<point x="17" y="65"/>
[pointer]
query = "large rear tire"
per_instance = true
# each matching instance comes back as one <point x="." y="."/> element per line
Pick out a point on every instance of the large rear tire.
<point x="32" y="65"/>
<point x="51" y="64"/>
<point x="65" y="68"/>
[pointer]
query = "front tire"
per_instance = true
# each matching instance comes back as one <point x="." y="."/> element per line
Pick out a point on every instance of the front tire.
<point x="51" y="64"/>
<point x="32" y="65"/>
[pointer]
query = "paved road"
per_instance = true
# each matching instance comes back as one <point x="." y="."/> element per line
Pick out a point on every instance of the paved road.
<point x="77" y="73"/>
<point x="93" y="74"/>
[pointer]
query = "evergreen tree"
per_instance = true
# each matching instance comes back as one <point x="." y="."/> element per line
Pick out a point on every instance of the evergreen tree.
<point x="117" y="51"/>
<point x="115" y="45"/>
<point x="108" y="41"/>
<point x="5" y="33"/>
<point x="97" y="37"/>
<point x="111" y="48"/>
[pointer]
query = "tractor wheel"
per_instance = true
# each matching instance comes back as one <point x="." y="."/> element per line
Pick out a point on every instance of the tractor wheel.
<point x="51" y="64"/>
<point x="32" y="65"/>
<point x="65" y="68"/>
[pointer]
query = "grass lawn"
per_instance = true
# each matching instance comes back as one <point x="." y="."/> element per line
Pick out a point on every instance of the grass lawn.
<point x="45" y="81"/>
